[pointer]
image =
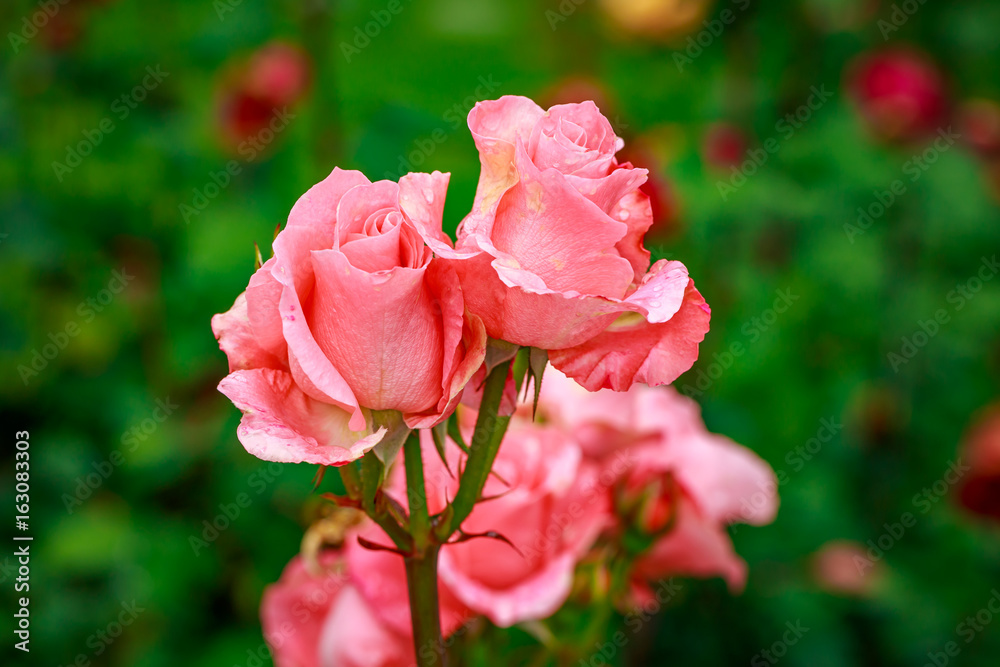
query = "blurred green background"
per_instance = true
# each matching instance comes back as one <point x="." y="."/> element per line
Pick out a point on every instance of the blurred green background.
<point x="145" y="350"/>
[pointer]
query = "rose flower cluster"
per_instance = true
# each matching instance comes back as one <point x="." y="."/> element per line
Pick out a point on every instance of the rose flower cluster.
<point x="369" y="327"/>
<point x="593" y="476"/>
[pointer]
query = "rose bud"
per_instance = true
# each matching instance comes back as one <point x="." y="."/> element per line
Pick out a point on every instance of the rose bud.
<point x="899" y="93"/>
<point x="259" y="91"/>
<point x="551" y="255"/>
<point x="279" y="73"/>
<point x="352" y="327"/>
<point x="979" y="463"/>
<point x="243" y="116"/>
<point x="324" y="621"/>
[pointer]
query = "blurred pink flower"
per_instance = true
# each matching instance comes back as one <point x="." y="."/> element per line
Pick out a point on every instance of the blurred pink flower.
<point x="351" y="315"/>
<point x="844" y="568"/>
<point x="324" y="621"/>
<point x="552" y="253"/>
<point x="900" y="93"/>
<point x="659" y="433"/>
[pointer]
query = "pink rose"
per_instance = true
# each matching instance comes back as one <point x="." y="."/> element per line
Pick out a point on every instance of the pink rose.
<point x="351" y="315"/>
<point x="323" y="621"/>
<point x="649" y="434"/>
<point x="546" y="505"/>
<point x="551" y="255"/>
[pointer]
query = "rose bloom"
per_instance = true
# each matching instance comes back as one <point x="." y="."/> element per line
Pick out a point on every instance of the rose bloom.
<point x="351" y="315"/>
<point x="900" y="93"/>
<point x="551" y="255"/>
<point x="322" y="620"/>
<point x="543" y="497"/>
<point x="979" y="487"/>
<point x="657" y="437"/>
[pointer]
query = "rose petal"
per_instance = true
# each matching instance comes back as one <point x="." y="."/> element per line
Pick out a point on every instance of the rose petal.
<point x="353" y="636"/>
<point x="281" y="423"/>
<point x="495" y="126"/>
<point x="317" y="208"/>
<point x="381" y="331"/>
<point x="464" y="343"/>
<point x="263" y="296"/>
<point x="421" y="198"/>
<point x="236" y="338"/>
<point x="294" y="610"/>
<point x="633" y="350"/>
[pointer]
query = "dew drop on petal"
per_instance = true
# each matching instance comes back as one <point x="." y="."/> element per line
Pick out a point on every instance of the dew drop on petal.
<point x="623" y="215"/>
<point x="429" y="196"/>
<point x="654" y="304"/>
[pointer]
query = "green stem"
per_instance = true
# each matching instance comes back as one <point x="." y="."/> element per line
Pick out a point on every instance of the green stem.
<point x="364" y="482"/>
<point x="422" y="583"/>
<point x="490" y="429"/>
<point x="420" y="522"/>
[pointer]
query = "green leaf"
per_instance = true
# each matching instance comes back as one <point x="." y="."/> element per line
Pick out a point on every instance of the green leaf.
<point x="396" y="433"/>
<point x="499" y="352"/>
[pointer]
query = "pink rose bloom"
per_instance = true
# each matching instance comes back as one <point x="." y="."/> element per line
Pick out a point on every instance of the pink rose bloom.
<point x="551" y="255"/>
<point x="351" y="315"/>
<point x="323" y="621"/>
<point x="546" y="505"/>
<point x="651" y="433"/>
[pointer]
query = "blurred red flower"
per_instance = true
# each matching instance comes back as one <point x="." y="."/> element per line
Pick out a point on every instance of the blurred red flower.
<point x="979" y="489"/>
<point x="274" y="77"/>
<point x="979" y="125"/>
<point x="724" y="146"/>
<point x="900" y="93"/>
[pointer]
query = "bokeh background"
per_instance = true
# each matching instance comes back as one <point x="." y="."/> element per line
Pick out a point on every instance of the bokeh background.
<point x="133" y="450"/>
